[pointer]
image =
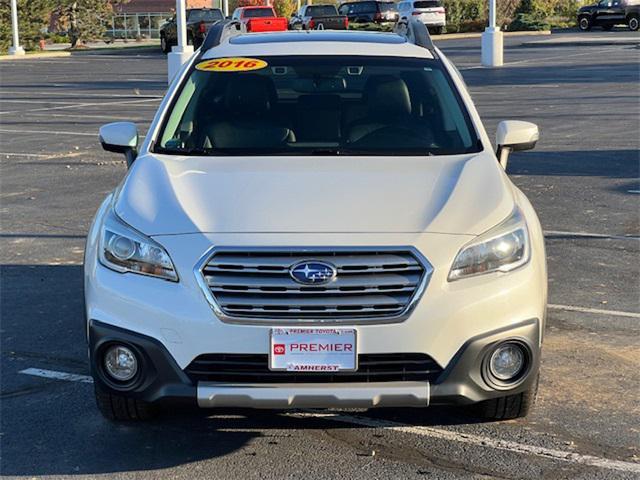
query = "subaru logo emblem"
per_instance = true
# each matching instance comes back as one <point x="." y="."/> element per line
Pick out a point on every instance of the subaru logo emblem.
<point x="313" y="273"/>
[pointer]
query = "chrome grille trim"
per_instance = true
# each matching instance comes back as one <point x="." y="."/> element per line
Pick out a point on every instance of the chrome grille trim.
<point x="251" y="285"/>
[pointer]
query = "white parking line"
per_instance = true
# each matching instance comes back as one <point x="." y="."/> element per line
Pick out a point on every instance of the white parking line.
<point x="49" y="132"/>
<point x="4" y="91"/>
<point x="590" y="235"/>
<point x="32" y="155"/>
<point x="3" y="155"/>
<point x="438" y="433"/>
<point x="52" y="102"/>
<point x="596" y="311"/>
<point x="81" y="105"/>
<point x="487" y="442"/>
<point x="558" y="57"/>
<point x="69" y="377"/>
<point x="544" y="59"/>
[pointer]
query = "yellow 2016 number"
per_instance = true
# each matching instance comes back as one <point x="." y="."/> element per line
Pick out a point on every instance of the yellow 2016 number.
<point x="231" y="65"/>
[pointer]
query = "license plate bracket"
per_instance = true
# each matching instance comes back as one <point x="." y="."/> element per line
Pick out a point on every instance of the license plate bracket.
<point x="313" y="350"/>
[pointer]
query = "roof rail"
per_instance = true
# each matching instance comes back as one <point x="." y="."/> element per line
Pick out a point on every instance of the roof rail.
<point x="220" y="32"/>
<point x="415" y="32"/>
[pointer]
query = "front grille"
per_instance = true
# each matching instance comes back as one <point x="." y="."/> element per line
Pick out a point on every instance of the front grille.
<point x="253" y="368"/>
<point x="370" y="284"/>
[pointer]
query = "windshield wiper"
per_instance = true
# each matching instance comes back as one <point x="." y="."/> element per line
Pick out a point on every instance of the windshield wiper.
<point x="184" y="151"/>
<point x="372" y="153"/>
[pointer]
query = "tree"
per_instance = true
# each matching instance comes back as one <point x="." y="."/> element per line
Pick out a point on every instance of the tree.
<point x="285" y="8"/>
<point x="33" y="17"/>
<point x="85" y="19"/>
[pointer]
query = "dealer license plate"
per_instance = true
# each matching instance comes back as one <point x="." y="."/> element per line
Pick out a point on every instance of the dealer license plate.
<point x="313" y="349"/>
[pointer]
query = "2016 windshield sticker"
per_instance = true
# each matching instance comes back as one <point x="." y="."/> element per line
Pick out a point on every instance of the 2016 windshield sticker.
<point x="231" y="65"/>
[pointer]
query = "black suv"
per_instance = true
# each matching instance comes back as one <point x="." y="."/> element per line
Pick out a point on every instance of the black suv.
<point x="607" y="13"/>
<point x="369" y="11"/>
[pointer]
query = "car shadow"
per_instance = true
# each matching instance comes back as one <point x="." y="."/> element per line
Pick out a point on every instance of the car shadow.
<point x="52" y="427"/>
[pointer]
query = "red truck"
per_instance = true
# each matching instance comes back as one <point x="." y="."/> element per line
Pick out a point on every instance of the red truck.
<point x="260" y="19"/>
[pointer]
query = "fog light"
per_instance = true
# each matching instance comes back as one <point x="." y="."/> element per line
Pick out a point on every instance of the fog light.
<point x="121" y="363"/>
<point x="507" y="361"/>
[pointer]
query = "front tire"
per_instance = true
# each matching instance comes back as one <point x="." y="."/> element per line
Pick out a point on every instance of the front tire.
<point x="118" y="408"/>
<point x="633" y="23"/>
<point x="437" y="30"/>
<point x="584" y="23"/>
<point x="509" y="407"/>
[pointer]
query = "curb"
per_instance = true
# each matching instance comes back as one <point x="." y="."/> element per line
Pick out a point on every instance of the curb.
<point x="84" y="51"/>
<point x="98" y="51"/>
<point x="459" y="36"/>
<point x="29" y="56"/>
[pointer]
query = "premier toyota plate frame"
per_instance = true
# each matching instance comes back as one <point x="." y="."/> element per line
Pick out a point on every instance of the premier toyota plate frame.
<point x="311" y="332"/>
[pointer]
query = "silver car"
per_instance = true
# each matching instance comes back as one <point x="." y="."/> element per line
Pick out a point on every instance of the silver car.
<point x="430" y="12"/>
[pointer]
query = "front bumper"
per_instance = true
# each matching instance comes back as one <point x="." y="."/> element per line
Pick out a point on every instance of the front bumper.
<point x="462" y="381"/>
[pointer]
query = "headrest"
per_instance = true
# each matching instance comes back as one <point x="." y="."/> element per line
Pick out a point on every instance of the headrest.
<point x="386" y="95"/>
<point x="250" y="93"/>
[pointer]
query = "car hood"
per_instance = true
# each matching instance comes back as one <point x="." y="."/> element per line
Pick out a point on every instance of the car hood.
<point x="462" y="194"/>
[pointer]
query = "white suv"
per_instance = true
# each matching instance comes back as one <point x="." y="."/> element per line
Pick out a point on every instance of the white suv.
<point x="316" y="219"/>
<point x="430" y="12"/>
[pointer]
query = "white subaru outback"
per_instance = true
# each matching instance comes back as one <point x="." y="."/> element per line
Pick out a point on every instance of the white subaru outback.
<point x="316" y="219"/>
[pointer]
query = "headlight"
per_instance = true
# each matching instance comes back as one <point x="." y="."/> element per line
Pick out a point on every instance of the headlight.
<point x="501" y="249"/>
<point x="124" y="249"/>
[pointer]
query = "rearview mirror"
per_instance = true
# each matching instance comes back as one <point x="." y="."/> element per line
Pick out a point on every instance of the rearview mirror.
<point x="515" y="136"/>
<point x="120" y="137"/>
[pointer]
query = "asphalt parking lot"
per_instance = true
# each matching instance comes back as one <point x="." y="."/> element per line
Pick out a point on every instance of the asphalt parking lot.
<point x="583" y="179"/>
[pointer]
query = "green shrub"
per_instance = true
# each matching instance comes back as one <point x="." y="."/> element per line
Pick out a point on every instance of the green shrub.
<point x="462" y="13"/>
<point x="528" y="22"/>
<point x="57" y="38"/>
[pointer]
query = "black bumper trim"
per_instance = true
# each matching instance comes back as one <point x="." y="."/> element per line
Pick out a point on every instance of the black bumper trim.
<point x="161" y="378"/>
<point x="460" y="383"/>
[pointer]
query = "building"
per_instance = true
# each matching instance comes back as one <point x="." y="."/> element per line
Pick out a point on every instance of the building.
<point x="143" y="18"/>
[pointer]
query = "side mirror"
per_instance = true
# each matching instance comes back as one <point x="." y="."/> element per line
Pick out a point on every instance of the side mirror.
<point x="515" y="136"/>
<point x="120" y="137"/>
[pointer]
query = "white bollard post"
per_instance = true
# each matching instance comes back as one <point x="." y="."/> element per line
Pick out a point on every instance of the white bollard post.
<point x="226" y="7"/>
<point x="181" y="53"/>
<point x="15" y="49"/>
<point x="492" y="43"/>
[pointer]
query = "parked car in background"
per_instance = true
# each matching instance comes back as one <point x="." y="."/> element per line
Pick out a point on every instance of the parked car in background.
<point x="369" y="12"/>
<point x="323" y="17"/>
<point x="608" y="13"/>
<point x="198" y="22"/>
<point x="430" y="12"/>
<point x="259" y="19"/>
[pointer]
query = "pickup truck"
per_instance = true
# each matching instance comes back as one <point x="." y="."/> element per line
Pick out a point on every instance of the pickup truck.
<point x="259" y="19"/>
<point x="321" y="17"/>
<point x="198" y="22"/>
<point x="608" y="13"/>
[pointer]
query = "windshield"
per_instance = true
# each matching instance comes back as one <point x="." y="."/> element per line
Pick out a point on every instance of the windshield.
<point x="320" y="105"/>
<point x="205" y="15"/>
<point x="321" y="11"/>
<point x="258" y="12"/>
